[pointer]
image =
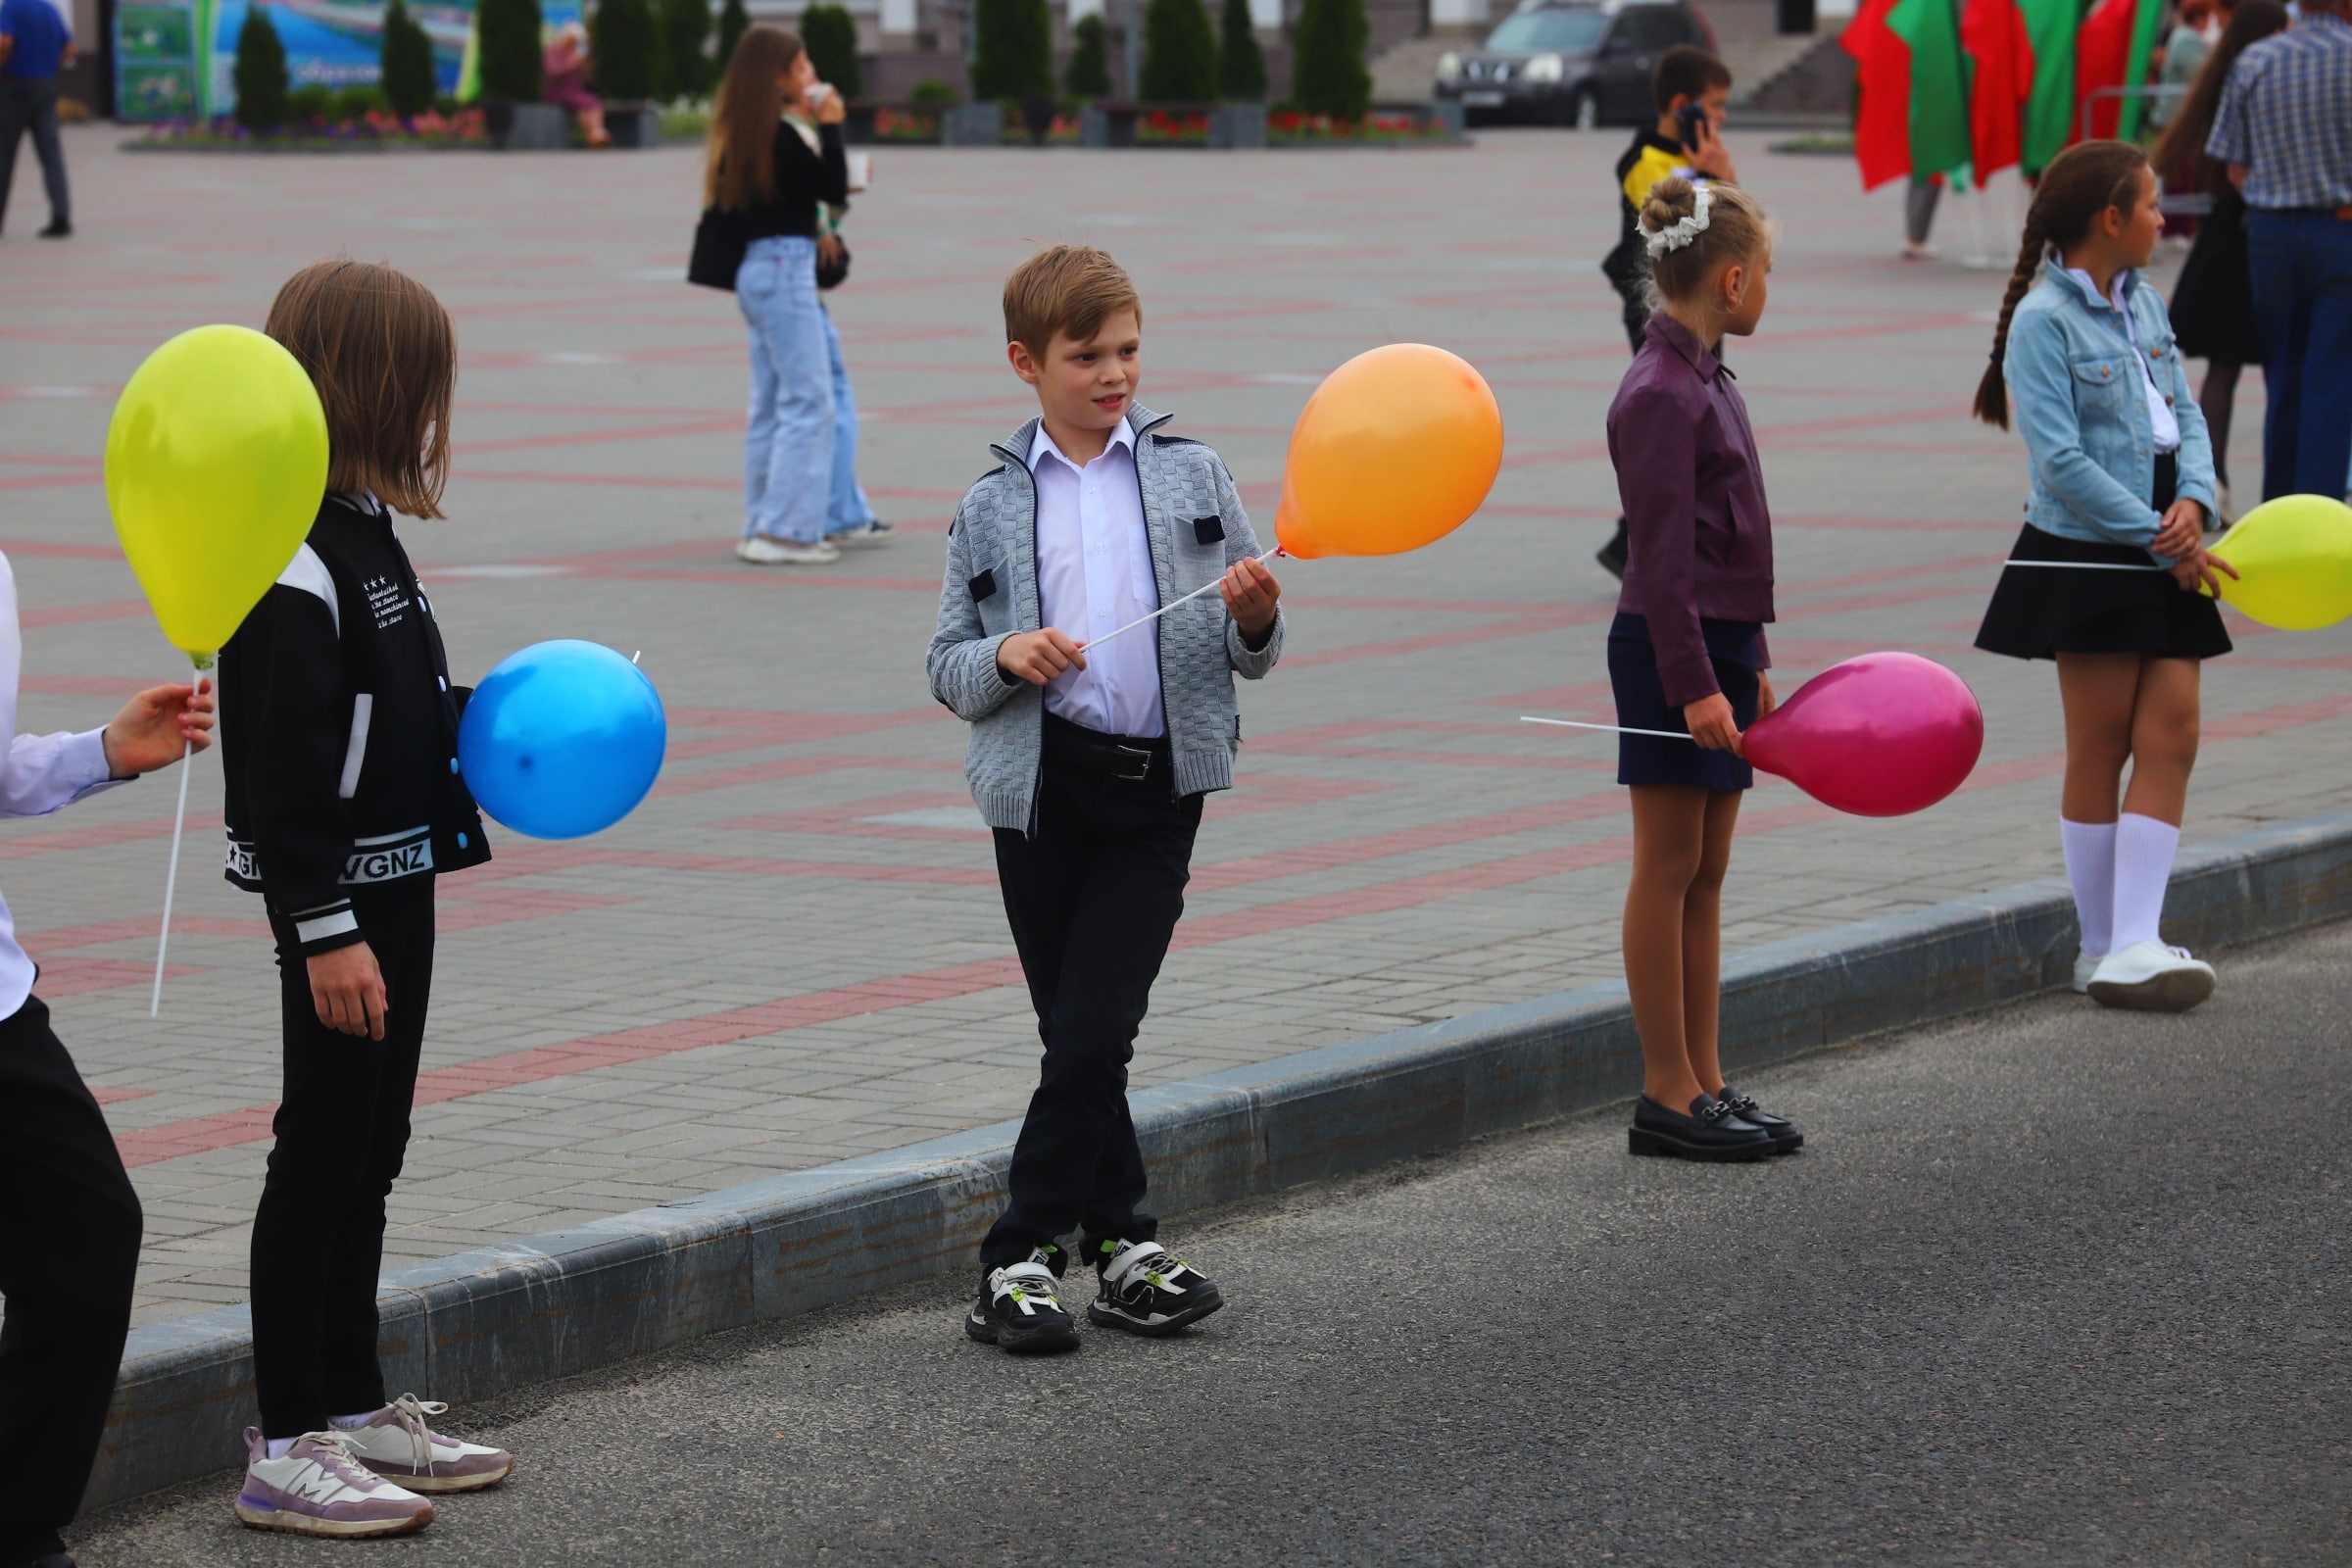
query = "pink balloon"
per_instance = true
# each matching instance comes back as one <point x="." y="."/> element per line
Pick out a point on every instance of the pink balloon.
<point x="1880" y="735"/>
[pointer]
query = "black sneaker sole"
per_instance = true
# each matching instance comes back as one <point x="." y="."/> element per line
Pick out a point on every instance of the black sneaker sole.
<point x="1110" y="1318"/>
<point x="1021" y="1342"/>
<point x="1642" y="1141"/>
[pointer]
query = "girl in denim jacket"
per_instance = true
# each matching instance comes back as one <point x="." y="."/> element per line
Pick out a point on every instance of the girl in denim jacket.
<point x="2105" y="578"/>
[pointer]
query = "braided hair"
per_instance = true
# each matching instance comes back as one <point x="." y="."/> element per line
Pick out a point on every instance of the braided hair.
<point x="2081" y="183"/>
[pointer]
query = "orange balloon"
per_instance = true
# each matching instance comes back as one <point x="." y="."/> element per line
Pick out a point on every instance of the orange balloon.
<point x="1395" y="450"/>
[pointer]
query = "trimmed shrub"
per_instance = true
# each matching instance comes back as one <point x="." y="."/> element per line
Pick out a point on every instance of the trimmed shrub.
<point x="1327" y="73"/>
<point x="733" y="23"/>
<point x="1241" y="63"/>
<point x="1180" y="53"/>
<point x="830" y="34"/>
<point x="1015" y="58"/>
<point x="685" y="70"/>
<point x="1089" y="72"/>
<point x="620" y="50"/>
<point x="408" y="63"/>
<point x="933" y="94"/>
<point x="509" y="49"/>
<point x="260" y="74"/>
<point x="358" y="101"/>
<point x="313" y="101"/>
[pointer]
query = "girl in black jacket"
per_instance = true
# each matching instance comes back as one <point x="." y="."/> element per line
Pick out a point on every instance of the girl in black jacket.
<point x="339" y="745"/>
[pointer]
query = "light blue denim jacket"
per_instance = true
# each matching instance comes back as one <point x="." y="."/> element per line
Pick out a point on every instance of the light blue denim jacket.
<point x="2083" y="412"/>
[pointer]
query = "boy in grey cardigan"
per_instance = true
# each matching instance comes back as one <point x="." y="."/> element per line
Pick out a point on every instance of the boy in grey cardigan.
<point x="1090" y="755"/>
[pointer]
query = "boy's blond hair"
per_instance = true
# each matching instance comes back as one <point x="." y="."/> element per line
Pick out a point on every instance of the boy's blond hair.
<point x="1070" y="289"/>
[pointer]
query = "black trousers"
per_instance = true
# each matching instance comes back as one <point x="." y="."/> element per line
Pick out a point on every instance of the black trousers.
<point x="27" y="105"/>
<point x="342" y="1132"/>
<point x="1094" y="900"/>
<point x="69" y="1257"/>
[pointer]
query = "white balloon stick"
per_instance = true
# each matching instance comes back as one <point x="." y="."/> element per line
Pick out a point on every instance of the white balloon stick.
<point x="1097" y="642"/>
<point x="1620" y="729"/>
<point x="155" y="1002"/>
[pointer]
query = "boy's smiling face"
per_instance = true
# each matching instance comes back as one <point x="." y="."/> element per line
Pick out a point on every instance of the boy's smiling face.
<point x="1085" y="384"/>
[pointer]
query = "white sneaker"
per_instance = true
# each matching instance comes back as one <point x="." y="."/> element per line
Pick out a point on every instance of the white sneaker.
<point x="2150" y="977"/>
<point x="319" y="1489"/>
<point x="2087" y="964"/>
<point x="761" y="550"/>
<point x="398" y="1446"/>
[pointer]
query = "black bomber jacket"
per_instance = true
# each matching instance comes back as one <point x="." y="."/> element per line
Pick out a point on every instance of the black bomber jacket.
<point x="339" y="731"/>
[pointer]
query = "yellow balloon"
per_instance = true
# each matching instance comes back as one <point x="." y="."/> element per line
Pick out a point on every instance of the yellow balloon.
<point x="1396" y="448"/>
<point x="216" y="464"/>
<point x="2293" y="556"/>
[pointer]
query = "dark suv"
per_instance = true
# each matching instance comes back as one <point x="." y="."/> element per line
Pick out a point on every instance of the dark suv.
<point x="1582" y="63"/>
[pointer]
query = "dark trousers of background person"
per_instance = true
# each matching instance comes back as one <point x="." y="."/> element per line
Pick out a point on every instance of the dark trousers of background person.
<point x="69" y="1258"/>
<point x="32" y="105"/>
<point x="2302" y="263"/>
<point x="342" y="1131"/>
<point x="1918" y="209"/>
<point x="1094" y="900"/>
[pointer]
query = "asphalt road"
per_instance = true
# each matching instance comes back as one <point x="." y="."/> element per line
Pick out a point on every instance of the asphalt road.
<point x="2050" y="1285"/>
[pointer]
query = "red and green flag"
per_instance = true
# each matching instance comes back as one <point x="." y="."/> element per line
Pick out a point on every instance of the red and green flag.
<point x="2112" y="51"/>
<point x="2051" y="104"/>
<point x="2000" y="54"/>
<point x="1914" y="110"/>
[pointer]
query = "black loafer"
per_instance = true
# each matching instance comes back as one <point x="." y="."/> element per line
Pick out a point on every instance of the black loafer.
<point x="1712" y="1131"/>
<point x="1786" y="1138"/>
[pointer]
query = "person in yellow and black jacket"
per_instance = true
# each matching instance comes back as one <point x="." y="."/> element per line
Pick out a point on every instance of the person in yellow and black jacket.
<point x="1690" y="89"/>
<point x="344" y="803"/>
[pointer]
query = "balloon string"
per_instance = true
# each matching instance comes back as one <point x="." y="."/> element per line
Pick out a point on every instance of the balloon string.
<point x="2090" y="565"/>
<point x="1570" y="724"/>
<point x="155" y="1002"/>
<point x="1164" y="609"/>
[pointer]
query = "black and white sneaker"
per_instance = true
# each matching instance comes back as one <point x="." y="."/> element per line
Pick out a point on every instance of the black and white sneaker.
<point x="1018" y="1310"/>
<point x="1148" y="1289"/>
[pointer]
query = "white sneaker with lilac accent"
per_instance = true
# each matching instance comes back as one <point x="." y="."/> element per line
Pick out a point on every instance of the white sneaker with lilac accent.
<point x="2151" y="977"/>
<point x="319" y="1488"/>
<point x="398" y="1446"/>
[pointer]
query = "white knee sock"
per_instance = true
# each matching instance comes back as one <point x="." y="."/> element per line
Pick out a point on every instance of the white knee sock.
<point x="2144" y="868"/>
<point x="2090" y="867"/>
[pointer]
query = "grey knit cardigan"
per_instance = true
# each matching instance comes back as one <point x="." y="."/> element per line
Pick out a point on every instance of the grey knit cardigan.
<point x="1198" y="530"/>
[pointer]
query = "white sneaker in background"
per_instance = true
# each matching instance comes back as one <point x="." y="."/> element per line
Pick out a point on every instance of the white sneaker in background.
<point x="2087" y="964"/>
<point x="319" y="1489"/>
<point x="761" y="550"/>
<point x="398" y="1446"/>
<point x="2150" y="977"/>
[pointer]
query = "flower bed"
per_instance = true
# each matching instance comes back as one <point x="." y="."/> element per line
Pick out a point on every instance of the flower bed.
<point x="377" y="129"/>
<point x="1289" y="125"/>
<point x="1164" y="128"/>
<point x="900" y="125"/>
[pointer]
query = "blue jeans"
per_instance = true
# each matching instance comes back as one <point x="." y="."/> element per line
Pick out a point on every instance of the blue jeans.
<point x="847" y="509"/>
<point x="2302" y="264"/>
<point x="788" y="437"/>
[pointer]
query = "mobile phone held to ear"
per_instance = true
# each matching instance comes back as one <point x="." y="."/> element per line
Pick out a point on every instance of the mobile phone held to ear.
<point x="1692" y="119"/>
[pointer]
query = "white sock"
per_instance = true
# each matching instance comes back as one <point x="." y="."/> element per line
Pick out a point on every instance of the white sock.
<point x="349" y="1423"/>
<point x="2143" y="868"/>
<point x="2090" y="867"/>
<point x="278" y="1447"/>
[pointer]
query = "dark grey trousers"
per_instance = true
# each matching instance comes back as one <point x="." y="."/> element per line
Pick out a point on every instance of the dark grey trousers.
<point x="32" y="105"/>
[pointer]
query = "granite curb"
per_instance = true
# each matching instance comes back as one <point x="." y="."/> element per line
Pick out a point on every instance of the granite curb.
<point x="508" y="1316"/>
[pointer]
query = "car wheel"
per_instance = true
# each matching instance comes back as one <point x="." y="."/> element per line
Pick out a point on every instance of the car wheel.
<point x="1584" y="110"/>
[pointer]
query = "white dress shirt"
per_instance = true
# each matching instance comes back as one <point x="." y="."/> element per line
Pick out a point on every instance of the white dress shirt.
<point x="1094" y="575"/>
<point x="41" y="774"/>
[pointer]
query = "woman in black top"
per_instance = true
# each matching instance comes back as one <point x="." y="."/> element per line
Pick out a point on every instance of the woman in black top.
<point x="763" y="183"/>
<point x="2213" y="302"/>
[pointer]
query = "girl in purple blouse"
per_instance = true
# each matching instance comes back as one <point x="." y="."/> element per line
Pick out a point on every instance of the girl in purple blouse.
<point x="1687" y="653"/>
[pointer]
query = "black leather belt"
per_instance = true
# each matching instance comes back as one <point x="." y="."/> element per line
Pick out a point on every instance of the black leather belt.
<point x="1120" y="756"/>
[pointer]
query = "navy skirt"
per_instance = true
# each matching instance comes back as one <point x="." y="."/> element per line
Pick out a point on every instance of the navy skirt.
<point x="1641" y="705"/>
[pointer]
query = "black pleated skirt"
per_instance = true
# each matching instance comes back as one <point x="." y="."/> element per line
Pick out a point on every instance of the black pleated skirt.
<point x="2042" y="611"/>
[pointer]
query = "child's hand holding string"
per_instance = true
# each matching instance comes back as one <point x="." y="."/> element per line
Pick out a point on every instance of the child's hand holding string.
<point x="1711" y="724"/>
<point x="2198" y="571"/>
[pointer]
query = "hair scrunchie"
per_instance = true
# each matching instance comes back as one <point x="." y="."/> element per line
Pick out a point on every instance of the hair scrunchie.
<point x="1676" y="235"/>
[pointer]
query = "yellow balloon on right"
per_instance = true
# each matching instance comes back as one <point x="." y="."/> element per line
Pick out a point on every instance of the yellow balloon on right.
<point x="2293" y="556"/>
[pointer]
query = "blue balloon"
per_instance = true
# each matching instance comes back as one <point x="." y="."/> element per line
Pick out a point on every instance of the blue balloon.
<point x="562" y="740"/>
